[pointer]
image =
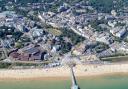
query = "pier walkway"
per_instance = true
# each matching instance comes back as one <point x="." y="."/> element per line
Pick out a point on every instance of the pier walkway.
<point x="74" y="83"/>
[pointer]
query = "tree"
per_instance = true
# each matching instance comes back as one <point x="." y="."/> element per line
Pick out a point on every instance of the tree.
<point x="17" y="35"/>
<point x="66" y="47"/>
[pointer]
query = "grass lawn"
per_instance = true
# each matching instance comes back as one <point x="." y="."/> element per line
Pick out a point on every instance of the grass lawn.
<point x="54" y="31"/>
<point x="116" y="58"/>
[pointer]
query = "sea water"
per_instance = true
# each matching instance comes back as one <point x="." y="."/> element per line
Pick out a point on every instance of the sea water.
<point x="97" y="82"/>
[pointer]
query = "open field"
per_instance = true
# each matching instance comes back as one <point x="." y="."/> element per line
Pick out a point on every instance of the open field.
<point x="54" y="31"/>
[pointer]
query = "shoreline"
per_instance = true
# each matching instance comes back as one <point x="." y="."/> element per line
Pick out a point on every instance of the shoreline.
<point x="64" y="72"/>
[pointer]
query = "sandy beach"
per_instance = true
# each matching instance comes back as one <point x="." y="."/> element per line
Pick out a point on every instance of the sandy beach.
<point x="80" y="71"/>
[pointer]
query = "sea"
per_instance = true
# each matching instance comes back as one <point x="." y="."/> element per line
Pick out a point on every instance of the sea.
<point x="115" y="81"/>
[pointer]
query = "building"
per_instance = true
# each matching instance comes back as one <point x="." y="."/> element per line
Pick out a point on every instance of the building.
<point x="112" y="23"/>
<point x="35" y="32"/>
<point x="113" y="12"/>
<point x="79" y="50"/>
<point x="103" y="37"/>
<point x="119" y="47"/>
<point x="38" y="56"/>
<point x="14" y="55"/>
<point x="31" y="54"/>
<point x="31" y="51"/>
<point x="118" y="31"/>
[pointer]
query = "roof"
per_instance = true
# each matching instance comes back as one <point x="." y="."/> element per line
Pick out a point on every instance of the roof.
<point x="38" y="56"/>
<point x="24" y="57"/>
<point x="14" y="55"/>
<point x="32" y="51"/>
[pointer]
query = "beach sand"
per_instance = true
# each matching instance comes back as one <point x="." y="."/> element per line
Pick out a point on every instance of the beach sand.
<point x="64" y="71"/>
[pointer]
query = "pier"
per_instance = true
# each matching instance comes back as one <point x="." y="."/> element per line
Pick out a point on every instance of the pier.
<point x="74" y="83"/>
<point x="71" y="62"/>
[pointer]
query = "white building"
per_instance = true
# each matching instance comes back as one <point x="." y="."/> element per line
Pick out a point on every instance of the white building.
<point x="19" y="27"/>
<point x="118" y="31"/>
<point x="104" y="37"/>
<point x="113" y="12"/>
<point x="112" y="23"/>
<point x="36" y="32"/>
<point x="119" y="47"/>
